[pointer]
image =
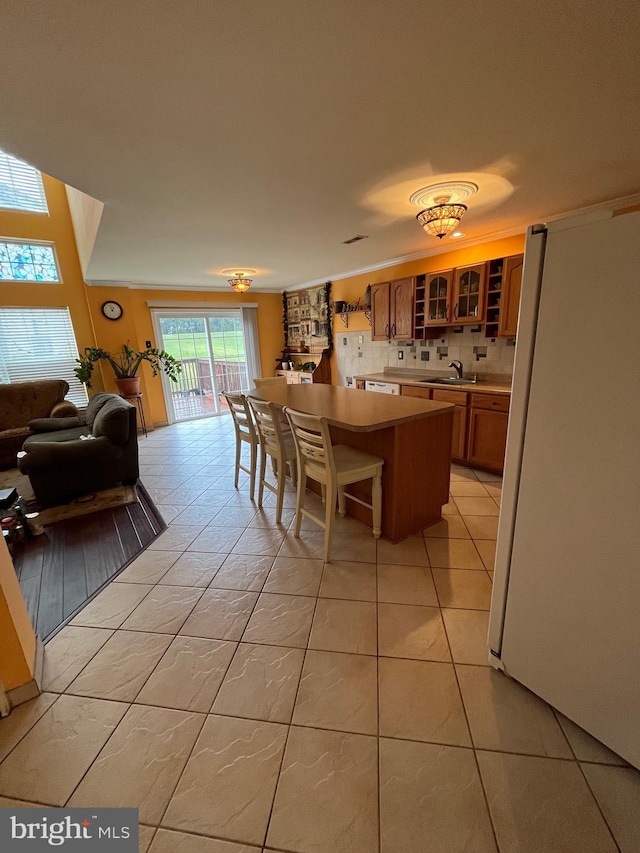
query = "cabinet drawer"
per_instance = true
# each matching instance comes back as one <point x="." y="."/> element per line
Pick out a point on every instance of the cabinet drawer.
<point x="414" y="391"/>
<point x="495" y="402"/>
<point x="458" y="398"/>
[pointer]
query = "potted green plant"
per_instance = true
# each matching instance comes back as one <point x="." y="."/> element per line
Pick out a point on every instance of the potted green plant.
<point x="126" y="364"/>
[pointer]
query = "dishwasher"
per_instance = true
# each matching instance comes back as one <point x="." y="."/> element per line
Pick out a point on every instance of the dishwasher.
<point x="382" y="387"/>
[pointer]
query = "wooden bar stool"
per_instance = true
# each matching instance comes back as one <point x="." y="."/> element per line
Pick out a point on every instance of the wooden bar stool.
<point x="245" y="431"/>
<point x="277" y="444"/>
<point x="334" y="467"/>
<point x="270" y="380"/>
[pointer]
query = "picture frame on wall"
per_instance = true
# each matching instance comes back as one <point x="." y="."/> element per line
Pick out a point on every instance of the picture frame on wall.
<point x="307" y="319"/>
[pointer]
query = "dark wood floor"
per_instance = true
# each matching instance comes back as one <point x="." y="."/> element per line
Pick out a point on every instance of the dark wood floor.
<point x="60" y="570"/>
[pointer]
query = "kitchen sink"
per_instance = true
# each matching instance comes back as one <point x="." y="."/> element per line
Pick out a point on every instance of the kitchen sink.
<point x="450" y="380"/>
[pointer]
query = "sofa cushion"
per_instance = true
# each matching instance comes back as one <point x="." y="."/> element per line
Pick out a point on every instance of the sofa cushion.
<point x="59" y="435"/>
<point x="21" y="402"/>
<point x="54" y="424"/>
<point x="112" y="420"/>
<point x="65" y="409"/>
<point x="13" y="433"/>
<point x="95" y="404"/>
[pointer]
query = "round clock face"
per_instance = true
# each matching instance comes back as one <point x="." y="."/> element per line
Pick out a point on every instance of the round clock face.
<point x="112" y="310"/>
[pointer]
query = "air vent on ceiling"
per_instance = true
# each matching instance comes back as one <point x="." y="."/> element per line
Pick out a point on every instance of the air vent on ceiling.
<point x="355" y="239"/>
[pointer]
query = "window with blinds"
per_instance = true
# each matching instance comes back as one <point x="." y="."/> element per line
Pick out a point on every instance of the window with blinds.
<point x="38" y="343"/>
<point x="21" y="186"/>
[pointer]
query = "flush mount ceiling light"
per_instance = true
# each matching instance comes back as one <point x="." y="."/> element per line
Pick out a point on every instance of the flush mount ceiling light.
<point x="445" y="208"/>
<point x="239" y="283"/>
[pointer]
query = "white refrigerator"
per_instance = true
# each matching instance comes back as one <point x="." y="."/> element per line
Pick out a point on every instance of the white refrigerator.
<point x="565" y="615"/>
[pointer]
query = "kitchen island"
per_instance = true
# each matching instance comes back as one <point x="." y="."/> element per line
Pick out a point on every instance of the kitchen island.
<point x="412" y="436"/>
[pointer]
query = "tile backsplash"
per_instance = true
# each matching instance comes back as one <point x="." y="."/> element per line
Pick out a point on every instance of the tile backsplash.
<point x="477" y="353"/>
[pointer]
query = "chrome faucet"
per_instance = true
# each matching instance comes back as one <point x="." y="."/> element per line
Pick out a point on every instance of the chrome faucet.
<point x="457" y="366"/>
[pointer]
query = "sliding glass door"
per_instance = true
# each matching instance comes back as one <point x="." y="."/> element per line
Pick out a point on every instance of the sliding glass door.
<point x="212" y="348"/>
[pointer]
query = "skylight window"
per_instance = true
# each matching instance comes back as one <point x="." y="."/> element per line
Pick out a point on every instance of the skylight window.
<point x="21" y="186"/>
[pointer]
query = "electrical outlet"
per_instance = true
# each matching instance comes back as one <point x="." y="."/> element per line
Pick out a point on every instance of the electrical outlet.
<point x="360" y="339"/>
<point x="147" y="344"/>
<point x="424" y="355"/>
<point x="400" y="354"/>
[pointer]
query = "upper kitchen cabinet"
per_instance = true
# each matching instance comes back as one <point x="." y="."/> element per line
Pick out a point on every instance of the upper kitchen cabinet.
<point x="504" y="282"/>
<point x="511" y="285"/>
<point x="438" y="298"/>
<point x="380" y="312"/>
<point x="392" y="312"/>
<point x="468" y="295"/>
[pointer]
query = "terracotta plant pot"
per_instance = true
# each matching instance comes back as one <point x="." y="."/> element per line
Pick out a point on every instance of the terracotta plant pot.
<point x="129" y="387"/>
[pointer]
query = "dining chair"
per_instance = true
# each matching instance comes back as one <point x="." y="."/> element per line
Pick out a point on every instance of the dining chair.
<point x="276" y="443"/>
<point x="270" y="380"/>
<point x="334" y="467"/>
<point x="245" y="429"/>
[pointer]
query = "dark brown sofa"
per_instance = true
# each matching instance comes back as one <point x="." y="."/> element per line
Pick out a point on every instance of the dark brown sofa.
<point x="21" y="402"/>
<point x="62" y="465"/>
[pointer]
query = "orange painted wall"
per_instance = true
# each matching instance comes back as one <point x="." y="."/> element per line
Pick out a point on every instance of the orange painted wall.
<point x="136" y="327"/>
<point x="354" y="287"/>
<point x="71" y="291"/>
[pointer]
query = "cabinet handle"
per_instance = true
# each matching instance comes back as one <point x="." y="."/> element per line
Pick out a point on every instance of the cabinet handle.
<point x="455" y="311"/>
<point x="393" y="331"/>
<point x="386" y="331"/>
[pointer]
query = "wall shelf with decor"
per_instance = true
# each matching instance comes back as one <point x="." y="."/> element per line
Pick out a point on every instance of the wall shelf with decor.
<point x="504" y="281"/>
<point x="344" y="315"/>
<point x="494" y="294"/>
<point x="422" y="330"/>
<point x="362" y="305"/>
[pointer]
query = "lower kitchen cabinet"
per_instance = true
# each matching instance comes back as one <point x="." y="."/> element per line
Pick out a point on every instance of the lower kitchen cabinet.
<point x="487" y="438"/>
<point x="460" y="413"/>
<point x="479" y="424"/>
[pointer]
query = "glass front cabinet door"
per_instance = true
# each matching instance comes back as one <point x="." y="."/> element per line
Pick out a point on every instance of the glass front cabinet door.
<point x="468" y="295"/>
<point x="438" y="298"/>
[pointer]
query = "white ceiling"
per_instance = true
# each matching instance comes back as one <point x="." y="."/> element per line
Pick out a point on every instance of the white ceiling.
<point x="263" y="133"/>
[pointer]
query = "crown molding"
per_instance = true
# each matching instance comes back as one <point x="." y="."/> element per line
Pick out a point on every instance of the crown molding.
<point x="160" y="304"/>
<point x="202" y="288"/>
<point x="415" y="256"/>
<point x="611" y="204"/>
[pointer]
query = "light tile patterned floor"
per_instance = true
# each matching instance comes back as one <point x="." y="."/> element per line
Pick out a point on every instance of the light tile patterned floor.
<point x="246" y="696"/>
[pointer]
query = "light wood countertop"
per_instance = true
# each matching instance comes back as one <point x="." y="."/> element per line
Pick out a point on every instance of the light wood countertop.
<point x="350" y="409"/>
<point x="486" y="386"/>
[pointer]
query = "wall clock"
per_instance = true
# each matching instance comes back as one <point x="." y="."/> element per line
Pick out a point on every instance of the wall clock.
<point x="112" y="310"/>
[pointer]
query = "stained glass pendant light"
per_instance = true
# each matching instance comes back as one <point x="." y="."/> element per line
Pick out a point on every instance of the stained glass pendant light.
<point x="445" y="208"/>
<point x="442" y="218"/>
<point x="239" y="283"/>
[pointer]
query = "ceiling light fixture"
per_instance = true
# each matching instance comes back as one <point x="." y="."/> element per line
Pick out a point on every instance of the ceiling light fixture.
<point x="442" y="218"/>
<point x="445" y="208"/>
<point x="239" y="283"/>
